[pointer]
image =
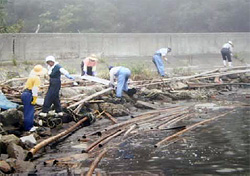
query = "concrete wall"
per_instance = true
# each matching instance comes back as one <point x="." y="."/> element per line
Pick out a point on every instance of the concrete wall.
<point x="38" y="46"/>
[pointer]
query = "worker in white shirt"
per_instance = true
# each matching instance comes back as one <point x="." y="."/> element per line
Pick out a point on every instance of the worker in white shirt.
<point x="227" y="53"/>
<point x="158" y="59"/>
<point x="52" y="97"/>
<point x="122" y="75"/>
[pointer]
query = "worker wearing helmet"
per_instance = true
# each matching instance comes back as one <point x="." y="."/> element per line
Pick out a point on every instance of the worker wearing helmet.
<point x="227" y="54"/>
<point x="29" y="95"/>
<point x="122" y="74"/>
<point x="158" y="60"/>
<point x="88" y="65"/>
<point x="52" y="97"/>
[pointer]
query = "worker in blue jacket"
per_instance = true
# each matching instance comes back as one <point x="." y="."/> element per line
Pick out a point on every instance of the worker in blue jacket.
<point x="158" y="60"/>
<point x="122" y="75"/>
<point x="29" y="95"/>
<point x="52" y="97"/>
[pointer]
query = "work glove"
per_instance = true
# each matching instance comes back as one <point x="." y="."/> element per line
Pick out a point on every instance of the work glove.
<point x="34" y="100"/>
<point x="70" y="77"/>
<point x="94" y="73"/>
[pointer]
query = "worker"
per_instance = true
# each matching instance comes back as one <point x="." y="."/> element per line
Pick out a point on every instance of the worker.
<point x="158" y="59"/>
<point x="88" y="65"/>
<point x="122" y="75"/>
<point x="52" y="97"/>
<point x="29" y="95"/>
<point x="227" y="54"/>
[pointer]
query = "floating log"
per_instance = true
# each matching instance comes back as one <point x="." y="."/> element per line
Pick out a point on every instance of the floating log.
<point x="95" y="163"/>
<point x="53" y="138"/>
<point x="188" y="129"/>
<point x="93" y="145"/>
<point x="110" y="137"/>
<point x="203" y="85"/>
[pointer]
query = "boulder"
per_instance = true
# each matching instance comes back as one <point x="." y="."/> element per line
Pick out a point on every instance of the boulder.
<point x="69" y="92"/>
<point x="115" y="110"/>
<point x="21" y="166"/>
<point x="15" y="151"/>
<point x="7" y="140"/>
<point x="11" y="117"/>
<point x="5" y="167"/>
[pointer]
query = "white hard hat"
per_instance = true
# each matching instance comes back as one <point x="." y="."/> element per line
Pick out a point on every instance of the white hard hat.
<point x="230" y="42"/>
<point x="50" y="58"/>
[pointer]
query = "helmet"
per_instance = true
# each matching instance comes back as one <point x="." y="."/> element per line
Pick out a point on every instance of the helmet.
<point x="93" y="57"/>
<point x="38" y="70"/>
<point x="50" y="58"/>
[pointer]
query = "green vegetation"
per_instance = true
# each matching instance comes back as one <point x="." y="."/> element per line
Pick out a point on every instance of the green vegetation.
<point x="14" y="60"/>
<point x="118" y="16"/>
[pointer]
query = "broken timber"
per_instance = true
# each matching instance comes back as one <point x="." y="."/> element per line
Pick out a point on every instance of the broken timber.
<point x="79" y="104"/>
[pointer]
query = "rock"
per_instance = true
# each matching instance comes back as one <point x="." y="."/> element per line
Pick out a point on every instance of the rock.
<point x="12" y="117"/>
<point x="7" y="140"/>
<point x="115" y="110"/>
<point x="21" y="166"/>
<point x="89" y="91"/>
<point x="5" y="167"/>
<point x="29" y="138"/>
<point x="15" y="151"/>
<point x="69" y="92"/>
<point x="44" y="131"/>
<point x="178" y="85"/>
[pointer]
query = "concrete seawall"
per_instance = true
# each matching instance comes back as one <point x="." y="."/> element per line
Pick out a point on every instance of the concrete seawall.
<point x="63" y="46"/>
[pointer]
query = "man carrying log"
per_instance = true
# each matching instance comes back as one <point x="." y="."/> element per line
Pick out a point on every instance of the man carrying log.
<point x="88" y="65"/>
<point x="122" y="75"/>
<point x="52" y="97"/>
<point x="226" y="53"/>
<point x="29" y="95"/>
<point x="158" y="59"/>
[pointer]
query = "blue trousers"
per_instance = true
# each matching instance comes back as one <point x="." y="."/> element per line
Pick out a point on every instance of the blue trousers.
<point x="28" y="110"/>
<point x="122" y="81"/>
<point x="52" y="96"/>
<point x="159" y="64"/>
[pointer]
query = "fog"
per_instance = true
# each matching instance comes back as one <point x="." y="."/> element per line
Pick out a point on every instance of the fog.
<point x="125" y="16"/>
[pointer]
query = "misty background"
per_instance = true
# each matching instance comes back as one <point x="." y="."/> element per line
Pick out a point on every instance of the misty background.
<point x="124" y="16"/>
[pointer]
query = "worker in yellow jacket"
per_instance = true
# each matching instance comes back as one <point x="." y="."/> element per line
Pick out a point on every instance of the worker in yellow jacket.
<point x="29" y="95"/>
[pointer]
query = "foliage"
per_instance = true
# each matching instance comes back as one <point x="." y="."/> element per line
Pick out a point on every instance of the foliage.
<point x="126" y="15"/>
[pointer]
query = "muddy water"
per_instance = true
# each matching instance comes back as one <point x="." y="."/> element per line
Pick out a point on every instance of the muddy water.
<point x="218" y="148"/>
<point x="221" y="147"/>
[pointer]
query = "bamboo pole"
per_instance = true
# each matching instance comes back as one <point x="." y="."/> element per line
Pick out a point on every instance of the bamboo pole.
<point x="95" y="163"/>
<point x="188" y="129"/>
<point x="109" y="138"/>
<point x="53" y="138"/>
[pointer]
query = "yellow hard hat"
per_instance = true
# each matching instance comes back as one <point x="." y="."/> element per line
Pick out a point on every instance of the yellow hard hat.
<point x="38" y="70"/>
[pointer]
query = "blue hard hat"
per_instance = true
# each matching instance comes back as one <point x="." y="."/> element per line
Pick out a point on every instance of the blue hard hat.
<point x="110" y="67"/>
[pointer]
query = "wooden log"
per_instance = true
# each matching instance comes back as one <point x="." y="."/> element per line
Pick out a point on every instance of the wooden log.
<point x="223" y="74"/>
<point x="110" y="117"/>
<point x="203" y="85"/>
<point x="189" y="128"/>
<point x="109" y="138"/>
<point x="80" y="103"/>
<point x="94" y="144"/>
<point x="42" y="144"/>
<point x="130" y="129"/>
<point x="95" y="163"/>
